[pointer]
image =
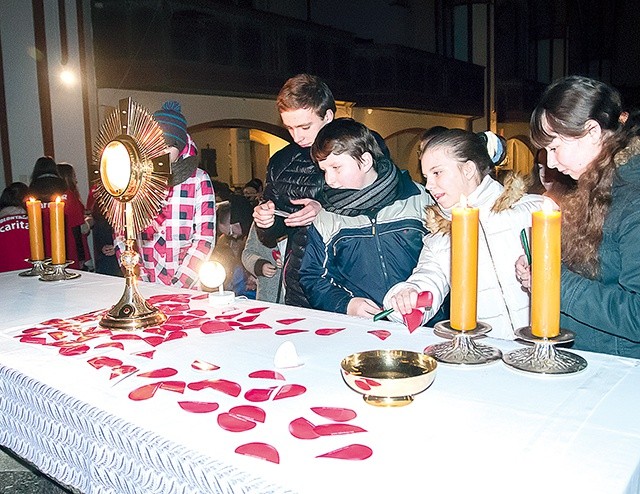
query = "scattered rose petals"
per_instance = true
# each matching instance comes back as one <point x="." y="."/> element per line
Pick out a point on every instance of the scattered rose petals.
<point x="259" y="450"/>
<point x="144" y="392"/>
<point x="175" y="335"/>
<point x="204" y="366"/>
<point x="337" y="429"/>
<point x="259" y="394"/>
<point x="37" y="340"/>
<point x="148" y="354"/>
<point x="154" y="340"/>
<point x="301" y="428"/>
<point x="267" y="374"/>
<point x="290" y="321"/>
<point x="198" y="312"/>
<point x="289" y="390"/>
<point x="351" y="452"/>
<point x="164" y="372"/>
<point x="328" y="331"/>
<point x="334" y="413"/>
<point x="198" y="406"/>
<point x="383" y="334"/>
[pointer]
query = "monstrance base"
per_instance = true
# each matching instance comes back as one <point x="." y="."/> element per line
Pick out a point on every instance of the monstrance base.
<point x="58" y="272"/>
<point x="388" y="401"/>
<point x="461" y="349"/>
<point x="542" y="357"/>
<point x="37" y="269"/>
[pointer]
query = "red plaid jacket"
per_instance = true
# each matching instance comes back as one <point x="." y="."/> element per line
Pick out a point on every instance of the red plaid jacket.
<point x="182" y="236"/>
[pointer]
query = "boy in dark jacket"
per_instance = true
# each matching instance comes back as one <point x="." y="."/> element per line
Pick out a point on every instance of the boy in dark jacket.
<point x="369" y="235"/>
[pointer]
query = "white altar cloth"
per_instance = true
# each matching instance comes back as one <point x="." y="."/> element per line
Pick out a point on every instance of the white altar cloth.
<point x="476" y="429"/>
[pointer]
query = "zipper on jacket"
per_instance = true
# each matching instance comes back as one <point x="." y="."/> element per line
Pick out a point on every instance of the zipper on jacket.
<point x="383" y="265"/>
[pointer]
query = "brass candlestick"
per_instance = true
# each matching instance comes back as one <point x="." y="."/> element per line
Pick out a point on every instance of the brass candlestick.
<point x="58" y="272"/>
<point x="37" y="269"/>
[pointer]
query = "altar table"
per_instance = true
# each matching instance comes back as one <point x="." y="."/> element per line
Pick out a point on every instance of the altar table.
<point x="197" y="405"/>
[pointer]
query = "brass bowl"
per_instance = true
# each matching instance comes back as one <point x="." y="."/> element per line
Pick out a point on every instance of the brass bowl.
<point x="388" y="377"/>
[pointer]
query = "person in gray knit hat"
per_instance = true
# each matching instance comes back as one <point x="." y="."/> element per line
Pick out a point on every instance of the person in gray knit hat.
<point x="182" y="235"/>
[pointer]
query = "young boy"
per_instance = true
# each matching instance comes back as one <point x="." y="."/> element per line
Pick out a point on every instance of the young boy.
<point x="369" y="235"/>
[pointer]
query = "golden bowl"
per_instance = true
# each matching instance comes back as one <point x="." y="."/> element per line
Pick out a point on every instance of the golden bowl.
<point x="388" y="377"/>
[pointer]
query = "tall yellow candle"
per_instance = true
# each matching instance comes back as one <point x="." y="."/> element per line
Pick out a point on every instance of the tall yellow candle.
<point x="464" y="267"/>
<point x="36" y="242"/>
<point x="56" y="210"/>
<point x="545" y="272"/>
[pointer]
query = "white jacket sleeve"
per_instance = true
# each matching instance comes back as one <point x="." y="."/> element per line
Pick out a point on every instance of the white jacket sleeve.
<point x="432" y="273"/>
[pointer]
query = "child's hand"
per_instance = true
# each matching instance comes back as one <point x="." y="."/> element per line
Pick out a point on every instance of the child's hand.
<point x="264" y="214"/>
<point x="405" y="300"/>
<point x="523" y="272"/>
<point x="362" y="307"/>
<point x="306" y="215"/>
<point x="269" y="270"/>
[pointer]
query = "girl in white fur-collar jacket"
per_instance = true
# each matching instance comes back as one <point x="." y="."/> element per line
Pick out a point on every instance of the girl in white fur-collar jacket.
<point x="456" y="162"/>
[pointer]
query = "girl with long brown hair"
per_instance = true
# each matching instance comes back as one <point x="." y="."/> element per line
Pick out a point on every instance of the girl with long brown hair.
<point x="580" y="122"/>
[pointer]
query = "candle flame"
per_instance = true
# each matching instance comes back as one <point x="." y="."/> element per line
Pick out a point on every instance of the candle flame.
<point x="548" y="206"/>
<point x="32" y="199"/>
<point x="463" y="201"/>
<point x="58" y="199"/>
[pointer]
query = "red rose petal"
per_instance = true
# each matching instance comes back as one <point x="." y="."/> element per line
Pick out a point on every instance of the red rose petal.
<point x="259" y="394"/>
<point x="425" y="299"/>
<point x="211" y="327"/>
<point x="175" y="335"/>
<point x="114" y="344"/>
<point x="383" y="334"/>
<point x="154" y="340"/>
<point x="228" y="387"/>
<point x="248" y="318"/>
<point x="275" y="253"/>
<point x="198" y="406"/>
<point x="228" y="316"/>
<point x="256" y="310"/>
<point x="258" y="325"/>
<point x="413" y="319"/>
<point x="125" y="336"/>
<point x="301" y="428"/>
<point x="155" y="330"/>
<point x="289" y="390"/>
<point x="284" y="332"/>
<point x="204" y="366"/>
<point x="337" y="429"/>
<point x="35" y="340"/>
<point x="121" y="370"/>
<point x="175" y="386"/>
<point x="290" y="321"/>
<point x="328" y="331"/>
<point x="164" y="372"/>
<point x="233" y="423"/>
<point x="267" y="374"/>
<point x="351" y="452"/>
<point x="335" y="413"/>
<point x="200" y="297"/>
<point x="249" y="412"/>
<point x="99" y="362"/>
<point x="144" y="392"/>
<point x="259" y="450"/>
<point x="198" y="312"/>
<point x="148" y="354"/>
<point x="74" y="350"/>
<point x="58" y="335"/>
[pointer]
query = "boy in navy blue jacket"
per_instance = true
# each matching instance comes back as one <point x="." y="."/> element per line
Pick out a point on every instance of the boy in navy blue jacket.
<point x="369" y="235"/>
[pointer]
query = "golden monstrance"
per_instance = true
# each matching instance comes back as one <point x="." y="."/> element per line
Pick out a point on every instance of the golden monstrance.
<point x="132" y="170"/>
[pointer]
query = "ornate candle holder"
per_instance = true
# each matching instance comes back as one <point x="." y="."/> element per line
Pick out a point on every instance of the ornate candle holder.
<point x="542" y="357"/>
<point x="461" y="349"/>
<point x="58" y="272"/>
<point x="37" y="269"/>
